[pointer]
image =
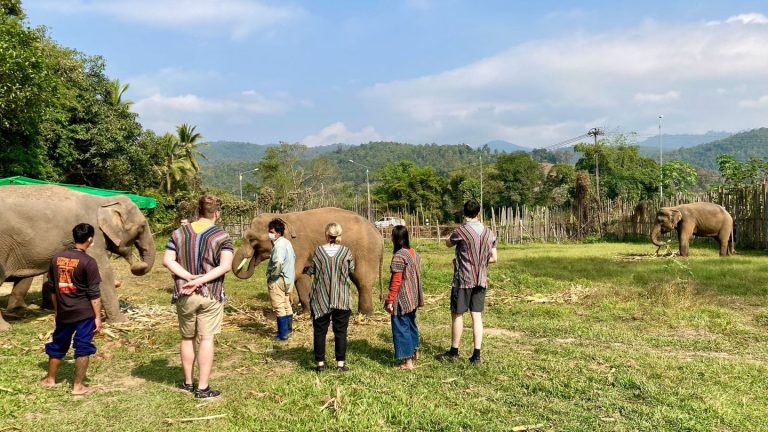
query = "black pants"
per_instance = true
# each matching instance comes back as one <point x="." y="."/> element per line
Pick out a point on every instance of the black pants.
<point x="340" y="320"/>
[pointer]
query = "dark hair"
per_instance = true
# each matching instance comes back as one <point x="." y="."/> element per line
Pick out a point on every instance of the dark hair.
<point x="277" y="225"/>
<point x="400" y="238"/>
<point x="82" y="232"/>
<point x="471" y="208"/>
<point x="208" y="205"/>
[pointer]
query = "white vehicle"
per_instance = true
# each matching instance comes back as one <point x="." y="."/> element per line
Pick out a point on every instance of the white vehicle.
<point x="388" y="221"/>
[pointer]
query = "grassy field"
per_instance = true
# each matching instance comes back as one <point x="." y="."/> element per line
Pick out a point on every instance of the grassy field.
<point x="578" y="338"/>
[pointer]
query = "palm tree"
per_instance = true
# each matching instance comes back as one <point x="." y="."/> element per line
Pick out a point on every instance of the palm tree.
<point x="116" y="91"/>
<point x="190" y="143"/>
<point x="176" y="164"/>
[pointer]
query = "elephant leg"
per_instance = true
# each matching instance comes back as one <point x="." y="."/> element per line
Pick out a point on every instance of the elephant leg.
<point x="365" y="297"/>
<point x="302" y="286"/>
<point x="109" y="300"/>
<point x="684" y="237"/>
<point x="4" y="326"/>
<point x="723" y="246"/>
<point x="19" y="292"/>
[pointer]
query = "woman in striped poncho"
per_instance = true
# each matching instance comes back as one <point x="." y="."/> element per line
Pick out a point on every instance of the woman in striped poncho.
<point x="405" y="296"/>
<point x="330" y="298"/>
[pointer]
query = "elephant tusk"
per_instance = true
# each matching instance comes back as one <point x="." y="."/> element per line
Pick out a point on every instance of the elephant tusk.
<point x="242" y="263"/>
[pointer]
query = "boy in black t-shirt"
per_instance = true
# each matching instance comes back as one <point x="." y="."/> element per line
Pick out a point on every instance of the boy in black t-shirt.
<point x="77" y="306"/>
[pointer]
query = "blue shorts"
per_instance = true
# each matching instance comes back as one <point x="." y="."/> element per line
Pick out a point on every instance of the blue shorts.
<point x="62" y="339"/>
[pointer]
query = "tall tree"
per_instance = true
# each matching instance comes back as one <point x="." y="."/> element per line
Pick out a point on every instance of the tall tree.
<point x="190" y="142"/>
<point x="116" y="92"/>
<point x="176" y="162"/>
<point x="11" y="8"/>
<point x="520" y="176"/>
<point x="25" y="92"/>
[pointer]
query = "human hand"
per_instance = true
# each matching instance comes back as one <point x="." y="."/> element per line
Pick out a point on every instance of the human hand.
<point x="98" y="325"/>
<point x="389" y="308"/>
<point x="189" y="287"/>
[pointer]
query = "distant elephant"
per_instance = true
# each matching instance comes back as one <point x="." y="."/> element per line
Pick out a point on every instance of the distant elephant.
<point x="306" y="231"/>
<point x="701" y="219"/>
<point x="37" y="222"/>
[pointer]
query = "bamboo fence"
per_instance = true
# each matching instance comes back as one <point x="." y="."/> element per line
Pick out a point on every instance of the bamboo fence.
<point x="610" y="219"/>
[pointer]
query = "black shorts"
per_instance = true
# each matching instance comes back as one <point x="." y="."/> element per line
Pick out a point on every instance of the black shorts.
<point x="464" y="299"/>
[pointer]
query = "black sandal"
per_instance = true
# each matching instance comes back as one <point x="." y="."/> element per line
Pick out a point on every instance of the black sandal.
<point x="343" y="368"/>
<point x="207" y="393"/>
<point x="320" y="368"/>
<point x="186" y="387"/>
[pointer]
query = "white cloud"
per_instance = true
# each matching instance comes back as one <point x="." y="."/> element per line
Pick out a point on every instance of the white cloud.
<point x="748" y="18"/>
<point x="758" y="103"/>
<point x="671" y="95"/>
<point x="338" y="133"/>
<point x="161" y="112"/>
<point x="238" y="18"/>
<point x="168" y="80"/>
<point x="543" y="91"/>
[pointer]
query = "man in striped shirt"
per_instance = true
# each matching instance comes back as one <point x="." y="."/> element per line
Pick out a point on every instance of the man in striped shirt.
<point x="199" y="255"/>
<point x="475" y="249"/>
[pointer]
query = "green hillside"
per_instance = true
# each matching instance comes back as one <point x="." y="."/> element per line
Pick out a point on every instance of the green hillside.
<point x="226" y="160"/>
<point x="742" y="146"/>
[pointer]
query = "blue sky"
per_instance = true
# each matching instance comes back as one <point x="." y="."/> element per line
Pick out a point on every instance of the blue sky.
<point x="421" y="71"/>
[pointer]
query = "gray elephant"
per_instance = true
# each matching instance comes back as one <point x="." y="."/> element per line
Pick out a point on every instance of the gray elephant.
<point x="701" y="219"/>
<point x="306" y="231"/>
<point x="38" y="222"/>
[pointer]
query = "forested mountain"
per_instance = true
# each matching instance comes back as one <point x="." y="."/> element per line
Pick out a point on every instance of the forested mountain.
<point x="677" y="141"/>
<point x="221" y="170"/>
<point x="218" y="152"/>
<point x="741" y="146"/>
<point x="505" y="146"/>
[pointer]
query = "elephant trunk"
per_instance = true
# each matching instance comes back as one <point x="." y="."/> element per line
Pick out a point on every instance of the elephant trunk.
<point x="655" y="234"/>
<point x="146" y="247"/>
<point x="239" y="268"/>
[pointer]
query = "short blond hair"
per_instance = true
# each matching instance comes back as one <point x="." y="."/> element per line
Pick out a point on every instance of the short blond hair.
<point x="333" y="230"/>
<point x="208" y="205"/>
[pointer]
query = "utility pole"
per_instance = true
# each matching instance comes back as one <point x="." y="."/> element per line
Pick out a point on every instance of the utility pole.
<point x="661" y="165"/>
<point x="241" y="180"/>
<point x="368" y="184"/>
<point x="481" y="188"/>
<point x="594" y="132"/>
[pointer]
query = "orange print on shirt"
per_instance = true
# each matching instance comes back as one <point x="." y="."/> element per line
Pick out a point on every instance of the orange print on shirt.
<point x="66" y="269"/>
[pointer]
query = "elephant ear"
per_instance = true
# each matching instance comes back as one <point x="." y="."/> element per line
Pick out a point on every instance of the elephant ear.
<point x="290" y="231"/>
<point x="675" y="216"/>
<point x="111" y="221"/>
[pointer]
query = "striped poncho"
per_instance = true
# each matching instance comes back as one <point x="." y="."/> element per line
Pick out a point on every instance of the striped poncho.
<point x="199" y="253"/>
<point x="409" y="295"/>
<point x="330" y="284"/>
<point x="474" y="243"/>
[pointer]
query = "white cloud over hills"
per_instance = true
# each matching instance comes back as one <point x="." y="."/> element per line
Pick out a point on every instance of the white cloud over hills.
<point x="338" y="133"/>
<point x="542" y="91"/>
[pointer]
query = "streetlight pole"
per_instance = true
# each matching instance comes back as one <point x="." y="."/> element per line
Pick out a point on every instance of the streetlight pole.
<point x="368" y="184"/>
<point x="241" y="180"/>
<point x="661" y="164"/>
<point x="481" y="188"/>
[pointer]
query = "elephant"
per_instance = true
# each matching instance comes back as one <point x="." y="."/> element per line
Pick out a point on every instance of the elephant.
<point x="306" y="231"/>
<point x="701" y="219"/>
<point x="38" y="222"/>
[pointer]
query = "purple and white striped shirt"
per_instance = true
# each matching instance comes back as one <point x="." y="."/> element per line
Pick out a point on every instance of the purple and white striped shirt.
<point x="474" y="244"/>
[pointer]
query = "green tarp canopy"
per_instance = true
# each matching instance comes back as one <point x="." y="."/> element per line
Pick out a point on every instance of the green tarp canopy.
<point x="140" y="201"/>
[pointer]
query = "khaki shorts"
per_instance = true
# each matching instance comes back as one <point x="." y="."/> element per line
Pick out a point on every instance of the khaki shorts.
<point x="199" y="315"/>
